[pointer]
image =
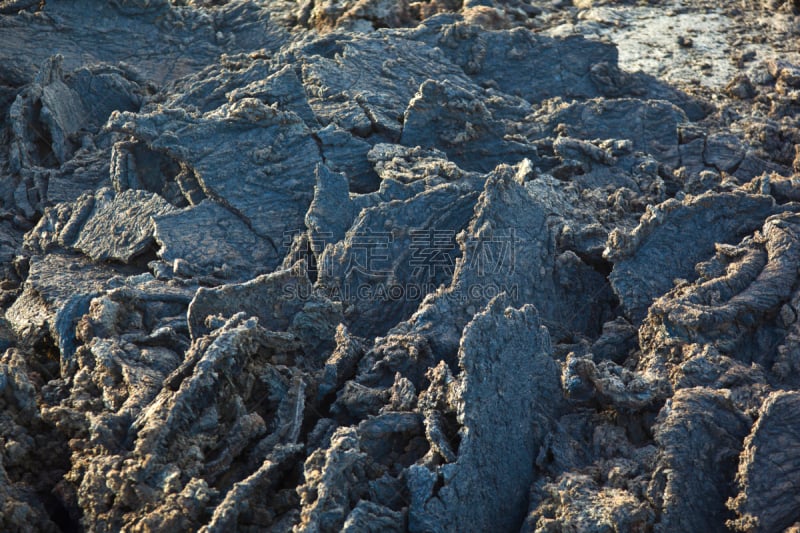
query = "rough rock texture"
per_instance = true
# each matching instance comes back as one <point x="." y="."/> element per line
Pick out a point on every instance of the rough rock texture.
<point x="370" y="265"/>
<point x="692" y="480"/>
<point x="767" y="500"/>
<point x="507" y="373"/>
<point x="104" y="227"/>
<point x="657" y="238"/>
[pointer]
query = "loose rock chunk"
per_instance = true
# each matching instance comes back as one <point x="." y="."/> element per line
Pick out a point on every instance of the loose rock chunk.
<point x="768" y="475"/>
<point x="210" y="240"/>
<point x="693" y="479"/>
<point x="647" y="260"/>
<point x="254" y="159"/>
<point x="103" y="226"/>
<point x="507" y="372"/>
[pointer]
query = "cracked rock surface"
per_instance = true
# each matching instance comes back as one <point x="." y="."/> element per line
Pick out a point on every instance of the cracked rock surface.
<point x="427" y="266"/>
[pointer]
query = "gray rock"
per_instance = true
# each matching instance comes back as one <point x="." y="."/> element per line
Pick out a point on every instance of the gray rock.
<point x="389" y="272"/>
<point x="725" y="152"/>
<point x="585" y="506"/>
<point x="210" y="240"/>
<point x="32" y="460"/>
<point x="651" y="125"/>
<point x="343" y="152"/>
<point x="658" y="240"/>
<point x="55" y="110"/>
<point x="254" y="159"/>
<point x="363" y="96"/>
<point x="103" y="226"/>
<point x="510" y="245"/>
<point x="488" y="56"/>
<point x="199" y="335"/>
<point x="692" y="479"/>
<point x="767" y="500"/>
<point x="284" y="300"/>
<point x="503" y="352"/>
<point x="87" y="32"/>
<point x="55" y="295"/>
<point x="450" y="117"/>
<point x="740" y="287"/>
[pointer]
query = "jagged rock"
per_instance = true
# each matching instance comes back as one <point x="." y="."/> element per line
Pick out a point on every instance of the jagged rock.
<point x="55" y="295"/>
<point x="87" y="171"/>
<point x="767" y="499"/>
<point x="284" y="301"/>
<point x="88" y="32"/>
<point x="583" y="506"/>
<point x="49" y="116"/>
<point x="329" y="490"/>
<point x="487" y="56"/>
<point x="361" y="95"/>
<point x="659" y="240"/>
<point x="450" y="117"/>
<point x="617" y="339"/>
<point x="372" y="269"/>
<point x="343" y="152"/>
<point x="784" y="189"/>
<point x="741" y="87"/>
<point x="135" y="166"/>
<point x="368" y="516"/>
<point x="404" y="164"/>
<point x="353" y="478"/>
<point x="241" y="509"/>
<point x="283" y="88"/>
<point x="409" y="354"/>
<point x="754" y="165"/>
<point x="651" y="125"/>
<point x="341" y="365"/>
<point x="225" y="351"/>
<point x="693" y="479"/>
<point x="404" y="173"/>
<point x="787" y="358"/>
<point x="221" y="243"/>
<point x="510" y="245"/>
<point x="31" y="460"/>
<point x="358" y="15"/>
<point x="217" y="442"/>
<point x="740" y="288"/>
<point x="704" y="366"/>
<point x="503" y="352"/>
<point x="725" y="152"/>
<point x="613" y="384"/>
<point x="356" y="402"/>
<point x="332" y="212"/>
<point x="104" y="226"/>
<point x="254" y="159"/>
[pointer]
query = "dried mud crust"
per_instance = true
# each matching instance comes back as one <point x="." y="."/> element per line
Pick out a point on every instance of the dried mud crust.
<point x="428" y="266"/>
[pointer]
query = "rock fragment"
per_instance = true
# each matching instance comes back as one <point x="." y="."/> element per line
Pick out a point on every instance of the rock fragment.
<point x="104" y="226"/>
<point x="658" y="238"/>
<point x="493" y="449"/>
<point x="767" y="500"/>
<point x="254" y="159"/>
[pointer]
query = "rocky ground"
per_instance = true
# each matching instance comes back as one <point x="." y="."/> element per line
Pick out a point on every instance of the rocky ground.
<point x="429" y="266"/>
